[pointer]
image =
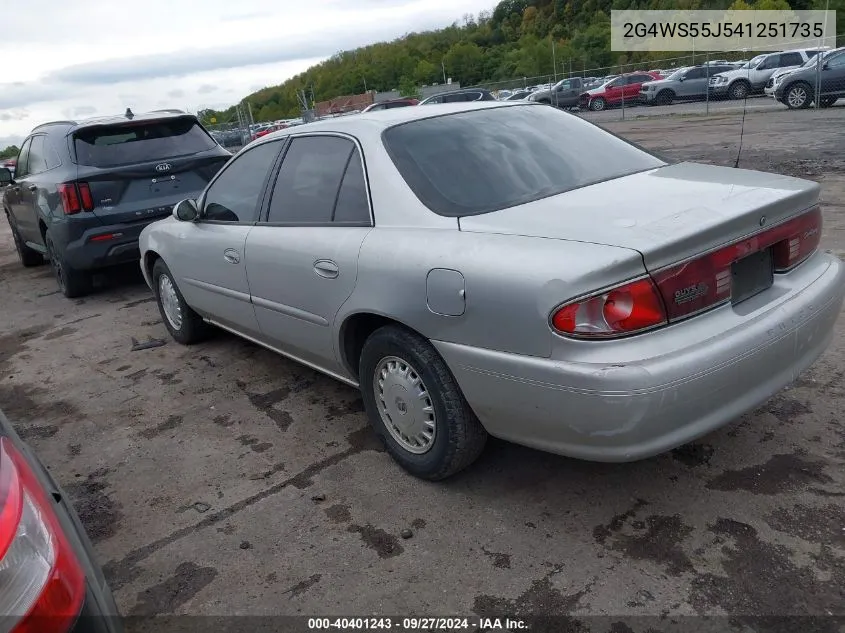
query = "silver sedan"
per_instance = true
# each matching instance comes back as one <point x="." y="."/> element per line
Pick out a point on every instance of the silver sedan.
<point x="505" y="269"/>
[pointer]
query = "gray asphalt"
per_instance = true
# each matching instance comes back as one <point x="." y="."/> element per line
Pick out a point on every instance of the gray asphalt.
<point x="223" y="479"/>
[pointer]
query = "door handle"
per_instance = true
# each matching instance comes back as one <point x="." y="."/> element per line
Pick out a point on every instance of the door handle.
<point x="326" y="268"/>
<point x="32" y="187"/>
<point x="232" y="256"/>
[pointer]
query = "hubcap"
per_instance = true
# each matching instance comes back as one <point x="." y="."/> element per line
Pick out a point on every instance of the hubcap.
<point x="797" y="97"/>
<point x="404" y="405"/>
<point x="170" y="302"/>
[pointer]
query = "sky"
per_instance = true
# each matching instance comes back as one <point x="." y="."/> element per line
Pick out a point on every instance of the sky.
<point x="98" y="57"/>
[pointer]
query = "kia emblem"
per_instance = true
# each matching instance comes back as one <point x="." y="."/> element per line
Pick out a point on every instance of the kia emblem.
<point x="163" y="167"/>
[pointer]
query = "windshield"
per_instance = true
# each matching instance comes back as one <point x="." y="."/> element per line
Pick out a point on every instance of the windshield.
<point x="485" y="160"/>
<point x="677" y="73"/>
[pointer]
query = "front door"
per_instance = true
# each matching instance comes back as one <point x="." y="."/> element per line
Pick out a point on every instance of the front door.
<point x="302" y="258"/>
<point x="694" y="83"/>
<point x="211" y="269"/>
<point x="17" y="199"/>
<point x="833" y="76"/>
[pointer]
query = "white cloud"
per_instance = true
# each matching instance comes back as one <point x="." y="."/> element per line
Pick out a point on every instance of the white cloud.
<point x="87" y="60"/>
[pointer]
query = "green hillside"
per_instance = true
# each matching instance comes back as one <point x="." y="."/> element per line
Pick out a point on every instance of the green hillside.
<point x="513" y="40"/>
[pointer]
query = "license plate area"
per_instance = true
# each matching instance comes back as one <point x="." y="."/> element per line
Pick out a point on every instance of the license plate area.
<point x="751" y="275"/>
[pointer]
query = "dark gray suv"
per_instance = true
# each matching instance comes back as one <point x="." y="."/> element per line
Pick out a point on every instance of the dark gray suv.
<point x="83" y="190"/>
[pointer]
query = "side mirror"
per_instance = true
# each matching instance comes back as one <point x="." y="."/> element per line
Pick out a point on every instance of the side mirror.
<point x="186" y="211"/>
<point x="682" y="78"/>
<point x="5" y="176"/>
<point x="824" y="67"/>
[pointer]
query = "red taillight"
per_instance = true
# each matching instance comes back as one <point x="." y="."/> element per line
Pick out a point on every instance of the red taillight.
<point x="86" y="197"/>
<point x="42" y="586"/>
<point x="626" y="309"/>
<point x="70" y="198"/>
<point x="76" y="197"/>
<point x="705" y="282"/>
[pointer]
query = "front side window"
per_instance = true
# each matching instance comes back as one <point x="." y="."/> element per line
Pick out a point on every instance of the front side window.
<point x="695" y="73"/>
<point x="836" y="61"/>
<point x="234" y="195"/>
<point x="475" y="162"/>
<point x="23" y="158"/>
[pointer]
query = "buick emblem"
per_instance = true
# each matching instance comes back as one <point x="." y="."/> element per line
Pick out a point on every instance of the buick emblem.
<point x="163" y="167"/>
<point x="762" y="220"/>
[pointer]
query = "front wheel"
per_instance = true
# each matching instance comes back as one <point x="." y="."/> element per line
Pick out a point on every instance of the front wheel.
<point x="665" y="97"/>
<point x="598" y="104"/>
<point x="798" y="96"/>
<point x="739" y="90"/>
<point x="26" y="255"/>
<point x="416" y="406"/>
<point x="72" y="282"/>
<point x="185" y="325"/>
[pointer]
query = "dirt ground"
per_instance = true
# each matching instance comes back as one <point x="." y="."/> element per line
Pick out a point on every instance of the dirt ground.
<point x="223" y="479"/>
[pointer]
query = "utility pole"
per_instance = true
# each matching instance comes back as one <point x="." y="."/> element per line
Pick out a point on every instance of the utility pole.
<point x="443" y="68"/>
<point x="554" y="59"/>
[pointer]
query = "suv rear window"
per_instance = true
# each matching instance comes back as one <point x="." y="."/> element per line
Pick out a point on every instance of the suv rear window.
<point x="479" y="161"/>
<point x="138" y="142"/>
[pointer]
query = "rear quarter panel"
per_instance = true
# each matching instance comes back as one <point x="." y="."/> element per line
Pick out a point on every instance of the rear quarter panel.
<point x="512" y="283"/>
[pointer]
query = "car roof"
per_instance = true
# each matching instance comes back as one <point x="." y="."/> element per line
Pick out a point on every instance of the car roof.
<point x="377" y="120"/>
<point x="154" y="115"/>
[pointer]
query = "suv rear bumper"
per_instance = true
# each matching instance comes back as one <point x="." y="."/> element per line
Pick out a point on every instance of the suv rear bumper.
<point x="106" y="245"/>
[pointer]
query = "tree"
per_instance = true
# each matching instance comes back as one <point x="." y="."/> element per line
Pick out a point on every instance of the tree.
<point x="408" y="88"/>
<point x="11" y="151"/>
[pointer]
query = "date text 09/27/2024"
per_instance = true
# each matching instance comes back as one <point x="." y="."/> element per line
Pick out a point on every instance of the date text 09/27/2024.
<point x="418" y="624"/>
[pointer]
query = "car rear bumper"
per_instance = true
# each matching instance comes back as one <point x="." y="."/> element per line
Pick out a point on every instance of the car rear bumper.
<point x="618" y="412"/>
<point x="88" y="253"/>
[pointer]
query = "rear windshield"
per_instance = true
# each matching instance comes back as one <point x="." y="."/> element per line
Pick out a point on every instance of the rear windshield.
<point x="137" y="142"/>
<point x="479" y="161"/>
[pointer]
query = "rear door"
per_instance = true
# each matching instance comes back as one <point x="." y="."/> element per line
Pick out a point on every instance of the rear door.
<point x="210" y="268"/>
<point x="633" y="83"/>
<point x="138" y="170"/>
<point x="302" y="259"/>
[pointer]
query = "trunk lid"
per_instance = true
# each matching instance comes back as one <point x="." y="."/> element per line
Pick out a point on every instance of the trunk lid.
<point x="138" y="170"/>
<point x="668" y="214"/>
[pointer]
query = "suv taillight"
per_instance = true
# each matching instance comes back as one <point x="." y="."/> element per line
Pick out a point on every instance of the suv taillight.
<point x="75" y="197"/>
<point x="42" y="585"/>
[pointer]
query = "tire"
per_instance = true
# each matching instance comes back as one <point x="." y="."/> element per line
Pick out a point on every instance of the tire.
<point x="28" y="257"/>
<point x="739" y="90"/>
<point x="458" y="436"/>
<point x="72" y="283"/>
<point x="189" y="327"/>
<point x="598" y="104"/>
<point x="798" y="96"/>
<point x="826" y="102"/>
<point x="665" y="97"/>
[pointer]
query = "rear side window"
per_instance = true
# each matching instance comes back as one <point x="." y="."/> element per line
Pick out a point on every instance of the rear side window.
<point x="140" y="142"/>
<point x="790" y="59"/>
<point x="475" y="162"/>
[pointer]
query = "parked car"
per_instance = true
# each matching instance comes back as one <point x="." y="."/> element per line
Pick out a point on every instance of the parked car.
<point x="83" y="190"/>
<point x="50" y="577"/>
<point x="779" y="75"/>
<point x="378" y="250"/>
<point x="798" y="89"/>
<point x="518" y="95"/>
<point x="685" y="84"/>
<point x="751" y="78"/>
<point x="624" y="88"/>
<point x="10" y="165"/>
<point x="390" y="104"/>
<point x="458" y="96"/>
<point x="564" y="94"/>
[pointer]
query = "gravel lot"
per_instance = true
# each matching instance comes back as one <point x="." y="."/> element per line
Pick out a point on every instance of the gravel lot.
<point x="222" y="479"/>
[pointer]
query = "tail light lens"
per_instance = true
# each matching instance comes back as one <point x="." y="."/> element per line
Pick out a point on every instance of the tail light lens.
<point x="76" y="197"/>
<point x="70" y="198"/>
<point x="42" y="586"/>
<point x="626" y="309"/>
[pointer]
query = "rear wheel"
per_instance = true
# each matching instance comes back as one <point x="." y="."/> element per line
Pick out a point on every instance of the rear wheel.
<point x="739" y="90"/>
<point x="185" y="325"/>
<point x="28" y="256"/>
<point x="598" y="104"/>
<point x="416" y="406"/>
<point x="73" y="283"/>
<point x="798" y="96"/>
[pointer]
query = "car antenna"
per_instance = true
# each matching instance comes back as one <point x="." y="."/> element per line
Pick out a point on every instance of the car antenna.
<point x="742" y="125"/>
<point x="129" y="114"/>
